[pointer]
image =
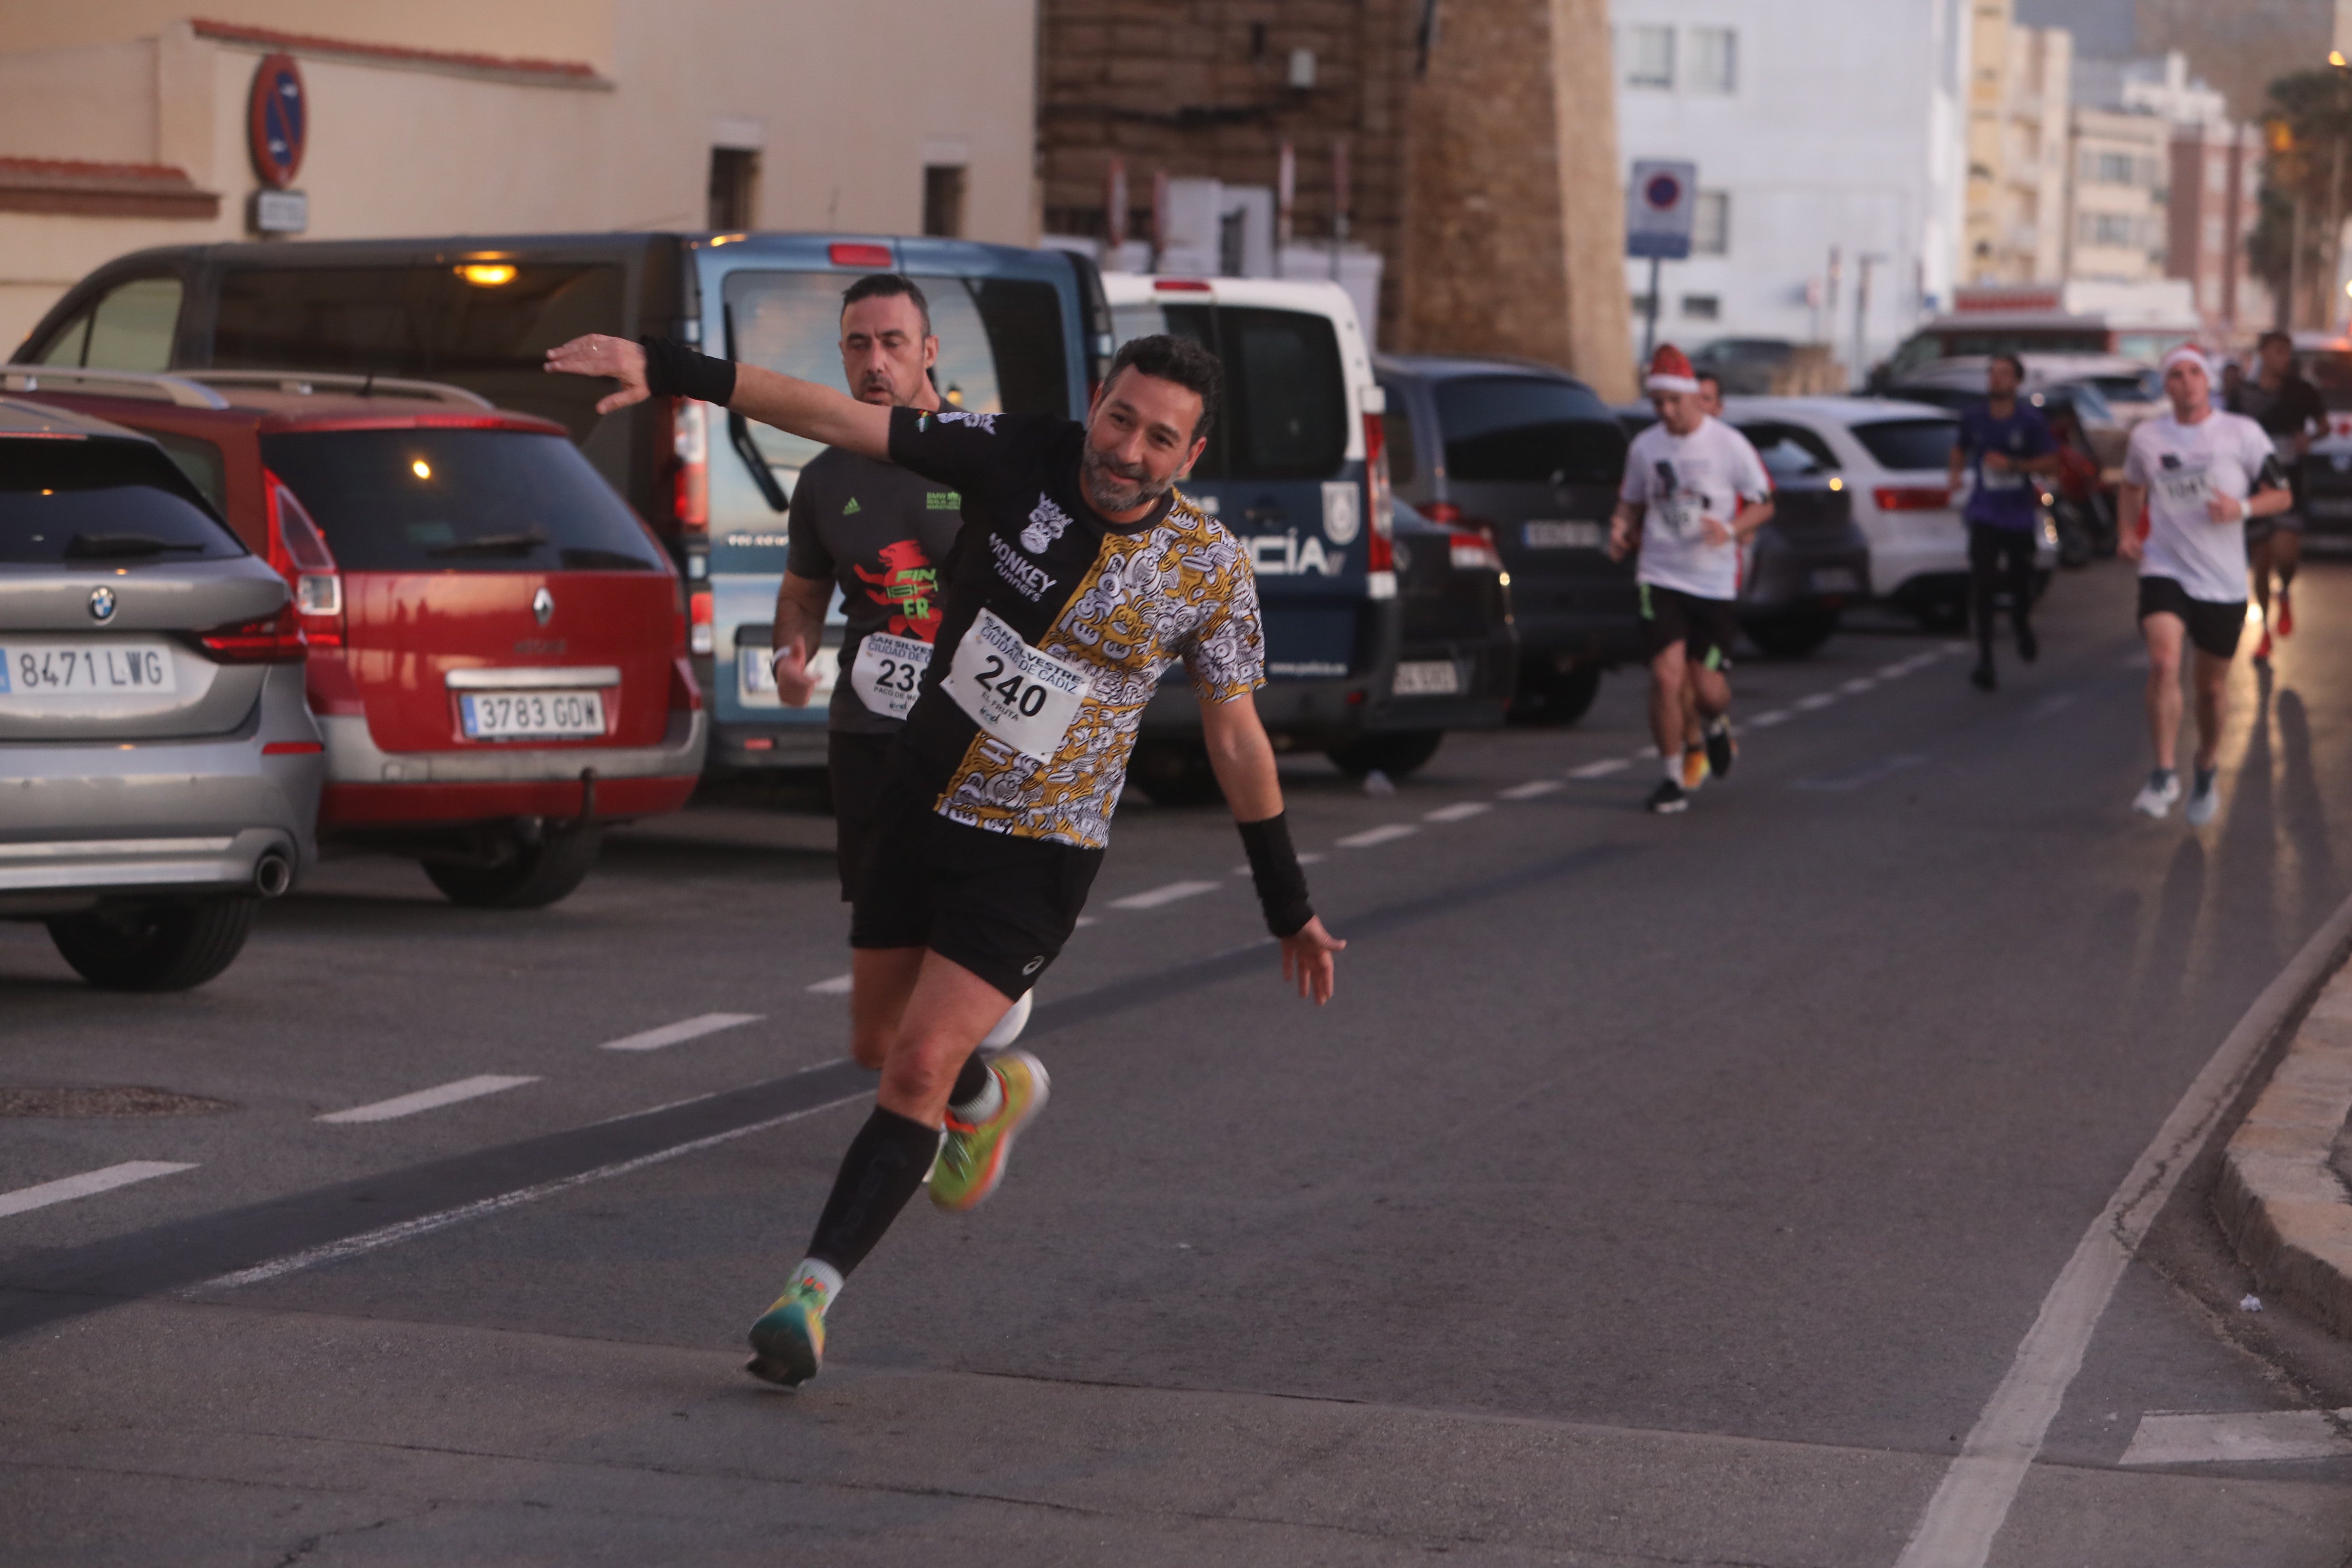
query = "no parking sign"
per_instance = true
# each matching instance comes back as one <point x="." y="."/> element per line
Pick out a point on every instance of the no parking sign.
<point x="278" y="122"/>
<point x="1659" y="202"/>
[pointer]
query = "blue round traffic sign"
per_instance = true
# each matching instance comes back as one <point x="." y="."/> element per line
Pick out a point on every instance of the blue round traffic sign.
<point x="278" y="122"/>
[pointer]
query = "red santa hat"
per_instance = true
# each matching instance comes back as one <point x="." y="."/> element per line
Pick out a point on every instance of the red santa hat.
<point x="1670" y="371"/>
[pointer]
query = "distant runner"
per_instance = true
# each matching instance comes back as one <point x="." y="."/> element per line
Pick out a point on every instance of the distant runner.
<point x="1078" y="580"/>
<point x="1693" y="493"/>
<point x="2003" y="444"/>
<point x="2202" y="474"/>
<point x="878" y="533"/>
<point x="1698" y="764"/>
<point x="2290" y="411"/>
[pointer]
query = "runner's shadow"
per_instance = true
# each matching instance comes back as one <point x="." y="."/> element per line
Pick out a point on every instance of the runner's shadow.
<point x="2163" y="974"/>
<point x="2303" y="812"/>
<point x="2249" y="833"/>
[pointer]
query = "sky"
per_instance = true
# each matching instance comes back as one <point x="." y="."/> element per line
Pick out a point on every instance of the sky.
<point x="2103" y="29"/>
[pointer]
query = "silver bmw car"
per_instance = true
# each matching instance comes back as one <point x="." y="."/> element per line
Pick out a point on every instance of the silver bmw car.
<point x="159" y="769"/>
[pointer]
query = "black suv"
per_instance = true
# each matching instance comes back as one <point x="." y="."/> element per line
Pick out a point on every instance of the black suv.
<point x="1531" y="457"/>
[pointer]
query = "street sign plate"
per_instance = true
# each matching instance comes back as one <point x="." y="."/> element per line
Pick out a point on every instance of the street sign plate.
<point x="1660" y="200"/>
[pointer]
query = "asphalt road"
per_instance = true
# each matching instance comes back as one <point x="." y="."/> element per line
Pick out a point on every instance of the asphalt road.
<point x="1656" y="1190"/>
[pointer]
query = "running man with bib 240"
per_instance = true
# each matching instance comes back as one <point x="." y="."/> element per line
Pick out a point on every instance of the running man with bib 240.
<point x="879" y="534"/>
<point x="1078" y="579"/>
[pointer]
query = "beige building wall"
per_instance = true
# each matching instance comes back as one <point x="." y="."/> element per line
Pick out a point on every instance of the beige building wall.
<point x="844" y="125"/>
<point x="2117" y="231"/>
<point x="2019" y="103"/>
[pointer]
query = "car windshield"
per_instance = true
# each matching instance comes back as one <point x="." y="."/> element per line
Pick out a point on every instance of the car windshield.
<point x="1528" y="429"/>
<point x="1001" y="347"/>
<point x="1789" y="451"/>
<point x="486" y="328"/>
<point x="111" y="500"/>
<point x="1901" y="444"/>
<point x="2087" y="399"/>
<point x="1286" y="403"/>
<point x="437" y="500"/>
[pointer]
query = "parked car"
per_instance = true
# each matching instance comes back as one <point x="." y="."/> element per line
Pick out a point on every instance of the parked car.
<point x="497" y="643"/>
<point x="1019" y="329"/>
<point x="1893" y="457"/>
<point x="1534" y="458"/>
<point x="1458" y="652"/>
<point x="1743" y="365"/>
<point x="1296" y="468"/>
<point x="2108" y="432"/>
<point x="1808" y="566"/>
<point x="162" y="771"/>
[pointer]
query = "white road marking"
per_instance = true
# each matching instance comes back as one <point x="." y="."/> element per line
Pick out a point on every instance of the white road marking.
<point x="1896" y="670"/>
<point x="1971" y="1505"/>
<point x="1954" y="647"/>
<point x="1460" y="811"/>
<point x="2052" y="704"/>
<point x="1385" y="834"/>
<point x="1151" y="899"/>
<point x="692" y="1028"/>
<point x="1089" y="919"/>
<point x="1818" y="700"/>
<point x="2253" y="1437"/>
<point x="428" y="1099"/>
<point x="842" y="985"/>
<point x="426" y="1225"/>
<point x="24" y="1200"/>
<point x="1307" y="858"/>
<point x="1599" y="770"/>
<point x="1529" y="790"/>
<point x="1859" y="685"/>
<point x="1768" y="717"/>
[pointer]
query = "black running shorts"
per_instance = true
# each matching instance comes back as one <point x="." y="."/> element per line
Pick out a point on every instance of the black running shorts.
<point x="2212" y="627"/>
<point x="2259" y="528"/>
<point x="997" y="905"/>
<point x="1705" y="628"/>
<point x="858" y="767"/>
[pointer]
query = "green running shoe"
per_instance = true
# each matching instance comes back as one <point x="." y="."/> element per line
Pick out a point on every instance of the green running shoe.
<point x="787" y="1341"/>
<point x="972" y="1162"/>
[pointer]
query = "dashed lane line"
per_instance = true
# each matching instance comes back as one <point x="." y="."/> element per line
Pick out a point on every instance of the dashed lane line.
<point x="839" y="986"/>
<point x="1859" y="685"/>
<point x="90" y="1183"/>
<point x="684" y="1029"/>
<point x="1815" y="703"/>
<point x="1529" y="790"/>
<point x="1460" y="811"/>
<point x="1599" y="770"/>
<point x="1385" y="834"/>
<point x="1154" y="897"/>
<point x="433" y="1099"/>
<point x="1768" y="719"/>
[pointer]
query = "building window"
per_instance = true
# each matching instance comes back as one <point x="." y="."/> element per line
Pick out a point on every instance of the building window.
<point x="1642" y="304"/>
<point x="734" y="189"/>
<point x="2108" y="228"/>
<point x="943" y="200"/>
<point x="1649" y="56"/>
<point x="1715" y="59"/>
<point x="1711" y="224"/>
<point x="1701" y="307"/>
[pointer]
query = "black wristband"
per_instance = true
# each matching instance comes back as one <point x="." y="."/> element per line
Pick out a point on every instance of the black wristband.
<point x="1273" y="867"/>
<point x="673" y="370"/>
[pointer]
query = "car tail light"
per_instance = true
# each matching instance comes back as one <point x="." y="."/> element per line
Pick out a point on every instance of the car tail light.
<point x="1379" y="556"/>
<point x="690" y="441"/>
<point x="868" y="257"/>
<point x="272" y="639"/>
<point x="699" y="634"/>
<point x="1473" y="548"/>
<point x="299" y="551"/>
<point x="1912" y="498"/>
<point x="1442" y="512"/>
<point x="1180" y="285"/>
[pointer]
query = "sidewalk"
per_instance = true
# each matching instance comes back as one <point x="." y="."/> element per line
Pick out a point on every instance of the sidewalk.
<point x="2283" y="1197"/>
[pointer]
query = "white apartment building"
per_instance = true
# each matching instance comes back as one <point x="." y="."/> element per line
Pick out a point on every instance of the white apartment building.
<point x="1830" y="137"/>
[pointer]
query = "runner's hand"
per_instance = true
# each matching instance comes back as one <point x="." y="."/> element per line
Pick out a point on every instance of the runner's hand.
<point x="598" y="354"/>
<point x="1306" y="953"/>
<point x="794" y="681"/>
<point x="1715" y="531"/>
<point x="2129" y="543"/>
<point x="1998" y="463"/>
<point x="2225" y="508"/>
<point x="1620" y="538"/>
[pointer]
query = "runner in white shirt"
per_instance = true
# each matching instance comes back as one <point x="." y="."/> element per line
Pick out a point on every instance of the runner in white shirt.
<point x="1693" y="493"/>
<point x="2200" y="474"/>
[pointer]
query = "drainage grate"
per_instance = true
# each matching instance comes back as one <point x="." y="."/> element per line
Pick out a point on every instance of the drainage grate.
<point x="106" y="1100"/>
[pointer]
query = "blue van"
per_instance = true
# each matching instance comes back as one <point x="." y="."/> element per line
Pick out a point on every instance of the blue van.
<point x="1019" y="329"/>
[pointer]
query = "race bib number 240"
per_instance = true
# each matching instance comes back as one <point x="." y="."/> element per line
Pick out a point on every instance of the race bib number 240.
<point x="1024" y="698"/>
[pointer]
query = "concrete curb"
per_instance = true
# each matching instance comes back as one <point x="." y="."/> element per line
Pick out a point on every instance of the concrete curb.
<point x="2279" y="1199"/>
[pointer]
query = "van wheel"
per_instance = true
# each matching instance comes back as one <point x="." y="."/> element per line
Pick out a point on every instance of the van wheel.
<point x="1174" y="773"/>
<point x="1395" y="754"/>
<point x="1792" y="635"/>
<point x="1548" y="696"/>
<point x="535" y="875"/>
<point x="155" y="947"/>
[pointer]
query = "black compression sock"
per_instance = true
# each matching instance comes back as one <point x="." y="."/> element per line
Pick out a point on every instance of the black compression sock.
<point x="884" y="1166"/>
<point x="971" y="1083"/>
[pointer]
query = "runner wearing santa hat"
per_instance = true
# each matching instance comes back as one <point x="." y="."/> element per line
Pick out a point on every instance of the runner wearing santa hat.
<point x="1693" y="493"/>
<point x="2202" y="474"/>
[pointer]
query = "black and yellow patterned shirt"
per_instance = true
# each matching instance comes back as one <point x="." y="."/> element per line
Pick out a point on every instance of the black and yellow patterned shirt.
<point x="1108" y="606"/>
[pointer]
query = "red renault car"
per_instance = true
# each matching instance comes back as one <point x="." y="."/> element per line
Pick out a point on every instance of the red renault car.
<point x="498" y="645"/>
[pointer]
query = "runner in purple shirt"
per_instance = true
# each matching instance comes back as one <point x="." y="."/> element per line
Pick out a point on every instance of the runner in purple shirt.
<point x="2004" y="443"/>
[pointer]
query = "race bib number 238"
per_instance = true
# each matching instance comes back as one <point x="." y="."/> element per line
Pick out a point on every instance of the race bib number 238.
<point x="1024" y="698"/>
<point x="888" y="671"/>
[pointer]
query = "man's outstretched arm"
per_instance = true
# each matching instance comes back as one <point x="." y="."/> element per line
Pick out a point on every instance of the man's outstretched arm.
<point x="795" y="406"/>
<point x="1243" y="760"/>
